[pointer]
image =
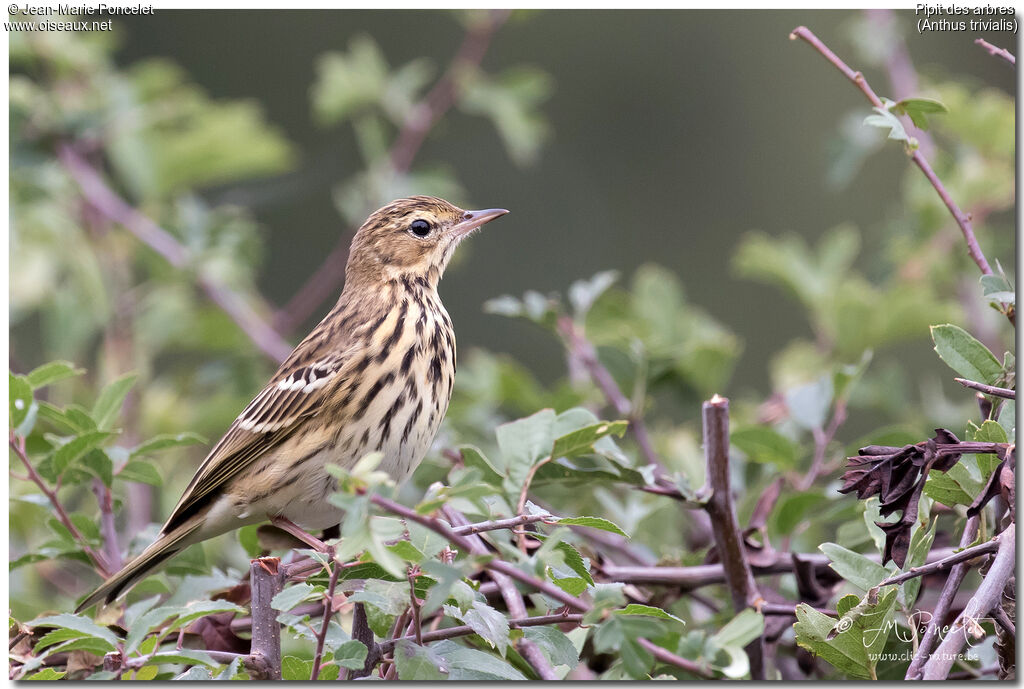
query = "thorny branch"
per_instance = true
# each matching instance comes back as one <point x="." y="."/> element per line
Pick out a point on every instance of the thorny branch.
<point x="1005" y="393"/>
<point x="962" y="219"/>
<point x="321" y="636"/>
<point x="964" y="556"/>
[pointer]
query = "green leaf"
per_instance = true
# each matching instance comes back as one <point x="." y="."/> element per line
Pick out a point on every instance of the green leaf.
<point x="883" y="119"/>
<point x="140" y="472"/>
<point x="182" y="656"/>
<point x="463" y="663"/>
<point x="47" y="674"/>
<point x="766" y="446"/>
<point x="574" y="561"/>
<point x="78" y="623"/>
<point x="594" y="523"/>
<point x="574" y="586"/>
<point x="473" y="457"/>
<point x="295" y="669"/>
<point x="164" y="441"/>
<point x="52" y="372"/>
<point x="965" y="354"/>
<point x="918" y="109"/>
<point x="554" y="644"/>
<point x="525" y="441"/>
<point x="854" y="567"/>
<point x="419" y="663"/>
<point x="351" y="655"/>
<point x="648" y="611"/>
<point x="740" y="630"/>
<point x="487" y="622"/>
<point x="21" y="399"/>
<point x="75" y="448"/>
<point x="293" y="595"/>
<point x="108" y="404"/>
<point x="582" y="440"/>
<point x="98" y="463"/>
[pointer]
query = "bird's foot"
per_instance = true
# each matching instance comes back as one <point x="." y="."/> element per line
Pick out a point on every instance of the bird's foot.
<point x="288" y="526"/>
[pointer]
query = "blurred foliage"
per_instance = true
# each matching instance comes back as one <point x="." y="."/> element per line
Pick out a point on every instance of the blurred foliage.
<point x="162" y="368"/>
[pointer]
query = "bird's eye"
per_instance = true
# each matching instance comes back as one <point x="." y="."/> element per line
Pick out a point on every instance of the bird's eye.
<point x="420" y="228"/>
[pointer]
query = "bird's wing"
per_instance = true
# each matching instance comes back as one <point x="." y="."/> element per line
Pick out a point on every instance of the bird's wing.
<point x="295" y="393"/>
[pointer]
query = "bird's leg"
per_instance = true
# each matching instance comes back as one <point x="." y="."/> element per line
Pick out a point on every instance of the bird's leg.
<point x="288" y="526"/>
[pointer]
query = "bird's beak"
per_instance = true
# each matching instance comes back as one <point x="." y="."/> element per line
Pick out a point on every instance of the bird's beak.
<point x="474" y="219"/>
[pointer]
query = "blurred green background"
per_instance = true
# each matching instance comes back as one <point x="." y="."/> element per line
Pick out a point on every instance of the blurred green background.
<point x="672" y="133"/>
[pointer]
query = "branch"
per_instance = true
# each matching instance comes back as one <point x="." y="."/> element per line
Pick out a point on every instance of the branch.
<point x="1005" y="393"/>
<point x="585" y="353"/>
<point x="101" y="197"/>
<point x="17" y="444"/>
<point x="942" y="606"/>
<point x="727" y="532"/>
<point x="985" y="598"/>
<point x="465" y="630"/>
<point x="995" y="51"/>
<point x="321" y="636"/>
<point x="327" y="278"/>
<point x="111" y="548"/>
<point x="513" y="601"/>
<point x="697" y="576"/>
<point x="465" y="544"/>
<point x="510" y="523"/>
<point x="667" y="656"/>
<point x="822" y="439"/>
<point x="266" y="578"/>
<point x="964" y="556"/>
<point x="962" y="219"/>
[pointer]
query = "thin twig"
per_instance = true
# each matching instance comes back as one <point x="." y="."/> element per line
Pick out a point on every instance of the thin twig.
<point x="988" y="596"/>
<point x="823" y="437"/>
<point x="521" y="503"/>
<point x="996" y="51"/>
<point x="414" y="605"/>
<point x="327" y="278"/>
<point x="510" y="523"/>
<point x="1005" y="393"/>
<point x="584" y="351"/>
<point x="108" y="528"/>
<point x="671" y="658"/>
<point x="321" y="636"/>
<point x="513" y="601"/>
<point x="949" y="589"/>
<point x="17" y="444"/>
<point x="465" y="630"/>
<point x="117" y="210"/>
<point x="728" y="536"/>
<point x="962" y="219"/>
<point x="964" y="555"/>
<point x="463" y="543"/>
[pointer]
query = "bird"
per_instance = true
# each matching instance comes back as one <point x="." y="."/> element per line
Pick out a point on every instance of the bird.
<point x="375" y="375"/>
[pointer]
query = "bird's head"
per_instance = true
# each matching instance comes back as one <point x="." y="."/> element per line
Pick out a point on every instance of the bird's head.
<point x="411" y="238"/>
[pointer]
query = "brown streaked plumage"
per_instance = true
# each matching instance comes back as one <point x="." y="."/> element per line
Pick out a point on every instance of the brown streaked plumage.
<point x="376" y="374"/>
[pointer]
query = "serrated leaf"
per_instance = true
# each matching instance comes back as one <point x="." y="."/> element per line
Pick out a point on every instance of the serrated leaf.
<point x="963" y="353"/>
<point x="487" y="622"/>
<point x="554" y="644"/>
<point x="419" y="663"/>
<point x="918" y="110"/>
<point x="140" y="472"/>
<point x="648" y="611"/>
<point x="52" y="372"/>
<point x="295" y="669"/>
<point x="75" y="448"/>
<point x="78" y="623"/>
<point x="582" y="440"/>
<point x="47" y="674"/>
<point x="165" y="441"/>
<point x="574" y="561"/>
<point x="593" y="523"/>
<point x="351" y="655"/>
<point x="292" y="595"/>
<point x="464" y="664"/>
<point x="108" y="404"/>
<point x="740" y="630"/>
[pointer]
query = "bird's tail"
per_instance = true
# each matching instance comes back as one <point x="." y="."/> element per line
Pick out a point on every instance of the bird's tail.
<point x="165" y="547"/>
